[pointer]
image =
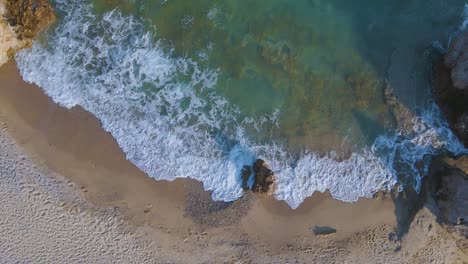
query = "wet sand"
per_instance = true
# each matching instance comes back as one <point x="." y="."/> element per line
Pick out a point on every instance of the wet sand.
<point x="180" y="214"/>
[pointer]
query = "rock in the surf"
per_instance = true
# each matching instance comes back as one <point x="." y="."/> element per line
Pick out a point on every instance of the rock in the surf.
<point x="264" y="181"/>
<point x="402" y="114"/>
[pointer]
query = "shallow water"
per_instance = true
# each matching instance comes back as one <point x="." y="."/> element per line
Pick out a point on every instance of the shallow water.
<point x="322" y="64"/>
<point x="200" y="88"/>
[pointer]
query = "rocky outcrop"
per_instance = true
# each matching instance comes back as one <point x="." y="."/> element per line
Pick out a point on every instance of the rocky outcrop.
<point x="450" y="83"/>
<point x="263" y="178"/>
<point x="452" y="196"/>
<point x="264" y="181"/>
<point x="28" y="17"/>
<point x="452" y="101"/>
<point x="20" y="21"/>
<point x="456" y="60"/>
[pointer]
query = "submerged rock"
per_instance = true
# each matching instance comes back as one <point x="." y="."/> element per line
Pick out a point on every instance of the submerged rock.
<point x="452" y="101"/>
<point x="404" y="117"/>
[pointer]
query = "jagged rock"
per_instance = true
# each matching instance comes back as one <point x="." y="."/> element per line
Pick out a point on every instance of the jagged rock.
<point x="264" y="181"/>
<point x="456" y="60"/>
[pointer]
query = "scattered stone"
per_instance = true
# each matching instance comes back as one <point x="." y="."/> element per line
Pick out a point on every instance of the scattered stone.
<point x="147" y="208"/>
<point x="321" y="231"/>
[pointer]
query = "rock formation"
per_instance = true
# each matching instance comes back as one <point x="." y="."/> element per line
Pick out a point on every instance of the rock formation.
<point x="20" y="21"/>
<point x="263" y="178"/>
<point x="452" y="196"/>
<point x="450" y="82"/>
<point x="456" y="60"/>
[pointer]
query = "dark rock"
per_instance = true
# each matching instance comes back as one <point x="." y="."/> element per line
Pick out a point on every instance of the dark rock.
<point x="452" y="195"/>
<point x="456" y="60"/>
<point x="264" y="181"/>
<point x="323" y="230"/>
<point x="452" y="101"/>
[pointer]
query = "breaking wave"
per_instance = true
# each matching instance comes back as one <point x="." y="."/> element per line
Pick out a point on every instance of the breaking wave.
<point x="149" y="100"/>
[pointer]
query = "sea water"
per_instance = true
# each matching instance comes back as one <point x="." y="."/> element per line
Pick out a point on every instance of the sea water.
<point x="198" y="89"/>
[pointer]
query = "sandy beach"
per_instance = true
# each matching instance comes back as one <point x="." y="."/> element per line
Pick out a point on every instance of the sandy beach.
<point x="59" y="168"/>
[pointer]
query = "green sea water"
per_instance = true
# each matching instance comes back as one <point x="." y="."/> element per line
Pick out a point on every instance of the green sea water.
<point x="201" y="89"/>
<point x="322" y="64"/>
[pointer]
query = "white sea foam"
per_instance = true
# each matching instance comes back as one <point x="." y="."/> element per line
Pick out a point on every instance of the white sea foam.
<point x="104" y="64"/>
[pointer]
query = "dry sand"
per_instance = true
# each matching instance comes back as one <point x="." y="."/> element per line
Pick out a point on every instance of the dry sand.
<point x="67" y="194"/>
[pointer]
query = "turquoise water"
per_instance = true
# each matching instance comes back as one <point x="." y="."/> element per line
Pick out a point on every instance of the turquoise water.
<point x="321" y="63"/>
<point x="201" y="88"/>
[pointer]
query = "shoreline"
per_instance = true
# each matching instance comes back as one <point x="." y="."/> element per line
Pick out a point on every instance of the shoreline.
<point x="43" y="128"/>
<point x="59" y="137"/>
<point x="179" y="215"/>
